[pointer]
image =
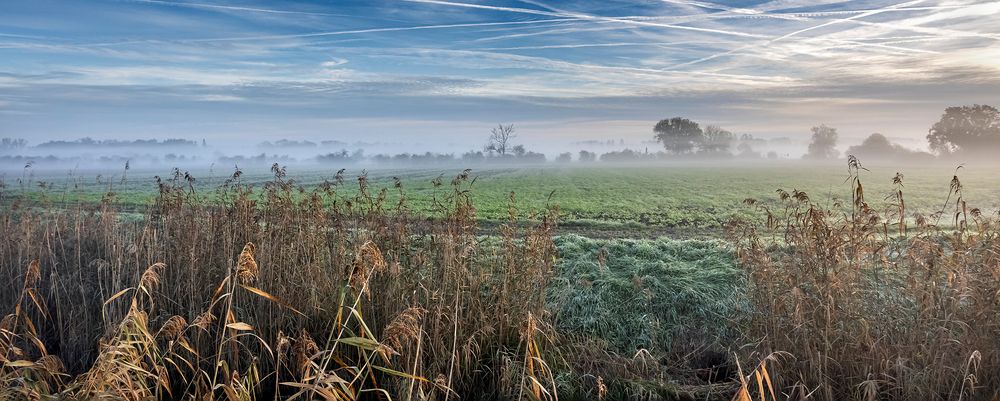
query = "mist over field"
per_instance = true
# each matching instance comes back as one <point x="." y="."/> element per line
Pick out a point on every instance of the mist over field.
<point x="499" y="200"/>
<point x="958" y="137"/>
<point x="90" y="154"/>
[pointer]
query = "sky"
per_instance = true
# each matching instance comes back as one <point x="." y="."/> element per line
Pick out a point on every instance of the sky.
<point x="442" y="72"/>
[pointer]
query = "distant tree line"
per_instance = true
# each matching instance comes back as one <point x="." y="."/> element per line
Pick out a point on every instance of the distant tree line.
<point x="972" y="130"/>
<point x="404" y="159"/>
<point x="291" y="143"/>
<point x="87" y="142"/>
<point x="961" y="131"/>
<point x="52" y="159"/>
<point x="683" y="137"/>
<point x="12" y="144"/>
<point x="342" y="157"/>
<point x="594" y="142"/>
<point x="257" y="159"/>
<point x="287" y="143"/>
<point x="878" y="147"/>
<point x="823" y="146"/>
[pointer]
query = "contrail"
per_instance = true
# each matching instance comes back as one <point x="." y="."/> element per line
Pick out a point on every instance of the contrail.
<point x="737" y="12"/>
<point x="331" y="33"/>
<point x="546" y="32"/>
<point x="585" y="17"/>
<point x="843" y="12"/>
<point x="882" y="45"/>
<point x="942" y="32"/>
<point x="584" y="45"/>
<point x="616" y="44"/>
<point x="239" y="8"/>
<point x="542" y="5"/>
<point x="800" y="31"/>
<point x="375" y="30"/>
<point x="798" y="16"/>
<point x="14" y="35"/>
<point x="322" y="34"/>
<point x="566" y="66"/>
<point x="840" y="21"/>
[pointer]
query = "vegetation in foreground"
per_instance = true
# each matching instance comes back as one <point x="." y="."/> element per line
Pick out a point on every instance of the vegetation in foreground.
<point x="866" y="308"/>
<point x="274" y="295"/>
<point x="328" y="293"/>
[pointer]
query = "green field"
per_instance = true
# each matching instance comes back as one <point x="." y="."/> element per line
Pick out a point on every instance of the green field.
<point x="638" y="294"/>
<point x="620" y="201"/>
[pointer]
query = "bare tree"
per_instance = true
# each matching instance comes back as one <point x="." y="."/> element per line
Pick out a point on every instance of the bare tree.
<point x="500" y="138"/>
<point x="12" y="143"/>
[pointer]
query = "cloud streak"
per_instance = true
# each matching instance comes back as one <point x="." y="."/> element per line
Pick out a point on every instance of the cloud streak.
<point x="587" y="17"/>
<point x="237" y="8"/>
<point x="745" y="63"/>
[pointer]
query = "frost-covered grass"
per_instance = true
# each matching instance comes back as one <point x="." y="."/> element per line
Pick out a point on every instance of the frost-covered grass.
<point x="661" y="295"/>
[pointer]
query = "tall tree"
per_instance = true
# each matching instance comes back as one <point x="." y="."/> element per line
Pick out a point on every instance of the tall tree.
<point x="678" y="135"/>
<point x="500" y="138"/>
<point x="966" y="129"/>
<point x="716" y="140"/>
<point x="823" y="144"/>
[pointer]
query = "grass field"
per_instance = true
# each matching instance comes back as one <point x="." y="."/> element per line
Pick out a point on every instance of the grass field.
<point x="227" y="290"/>
<point x="616" y="201"/>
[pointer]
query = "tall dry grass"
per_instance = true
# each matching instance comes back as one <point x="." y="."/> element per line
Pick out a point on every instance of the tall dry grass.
<point x="873" y="303"/>
<point x="274" y="291"/>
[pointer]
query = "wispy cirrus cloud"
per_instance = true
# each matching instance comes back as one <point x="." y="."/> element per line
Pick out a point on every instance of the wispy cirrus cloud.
<point x="752" y="64"/>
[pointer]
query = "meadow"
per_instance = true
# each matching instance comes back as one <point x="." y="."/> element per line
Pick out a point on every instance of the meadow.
<point x="648" y="201"/>
<point x="537" y="284"/>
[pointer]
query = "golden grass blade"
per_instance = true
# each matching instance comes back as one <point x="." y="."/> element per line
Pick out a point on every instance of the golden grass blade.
<point x="118" y="295"/>
<point x="742" y="394"/>
<point x="767" y="379"/>
<point x="400" y="374"/>
<point x="239" y="326"/>
<point x="760" y="384"/>
<point x="19" y="364"/>
<point x="269" y="297"/>
<point x="39" y="302"/>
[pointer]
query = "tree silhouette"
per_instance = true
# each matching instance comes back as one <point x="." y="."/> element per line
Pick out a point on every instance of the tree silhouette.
<point x="500" y="138"/>
<point x="824" y="143"/>
<point x="966" y="129"/>
<point x="678" y="135"/>
<point x="12" y="143"/>
<point x="878" y="147"/>
<point x="716" y="140"/>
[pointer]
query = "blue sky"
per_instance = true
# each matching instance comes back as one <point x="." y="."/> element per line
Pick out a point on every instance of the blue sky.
<point x="445" y="71"/>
